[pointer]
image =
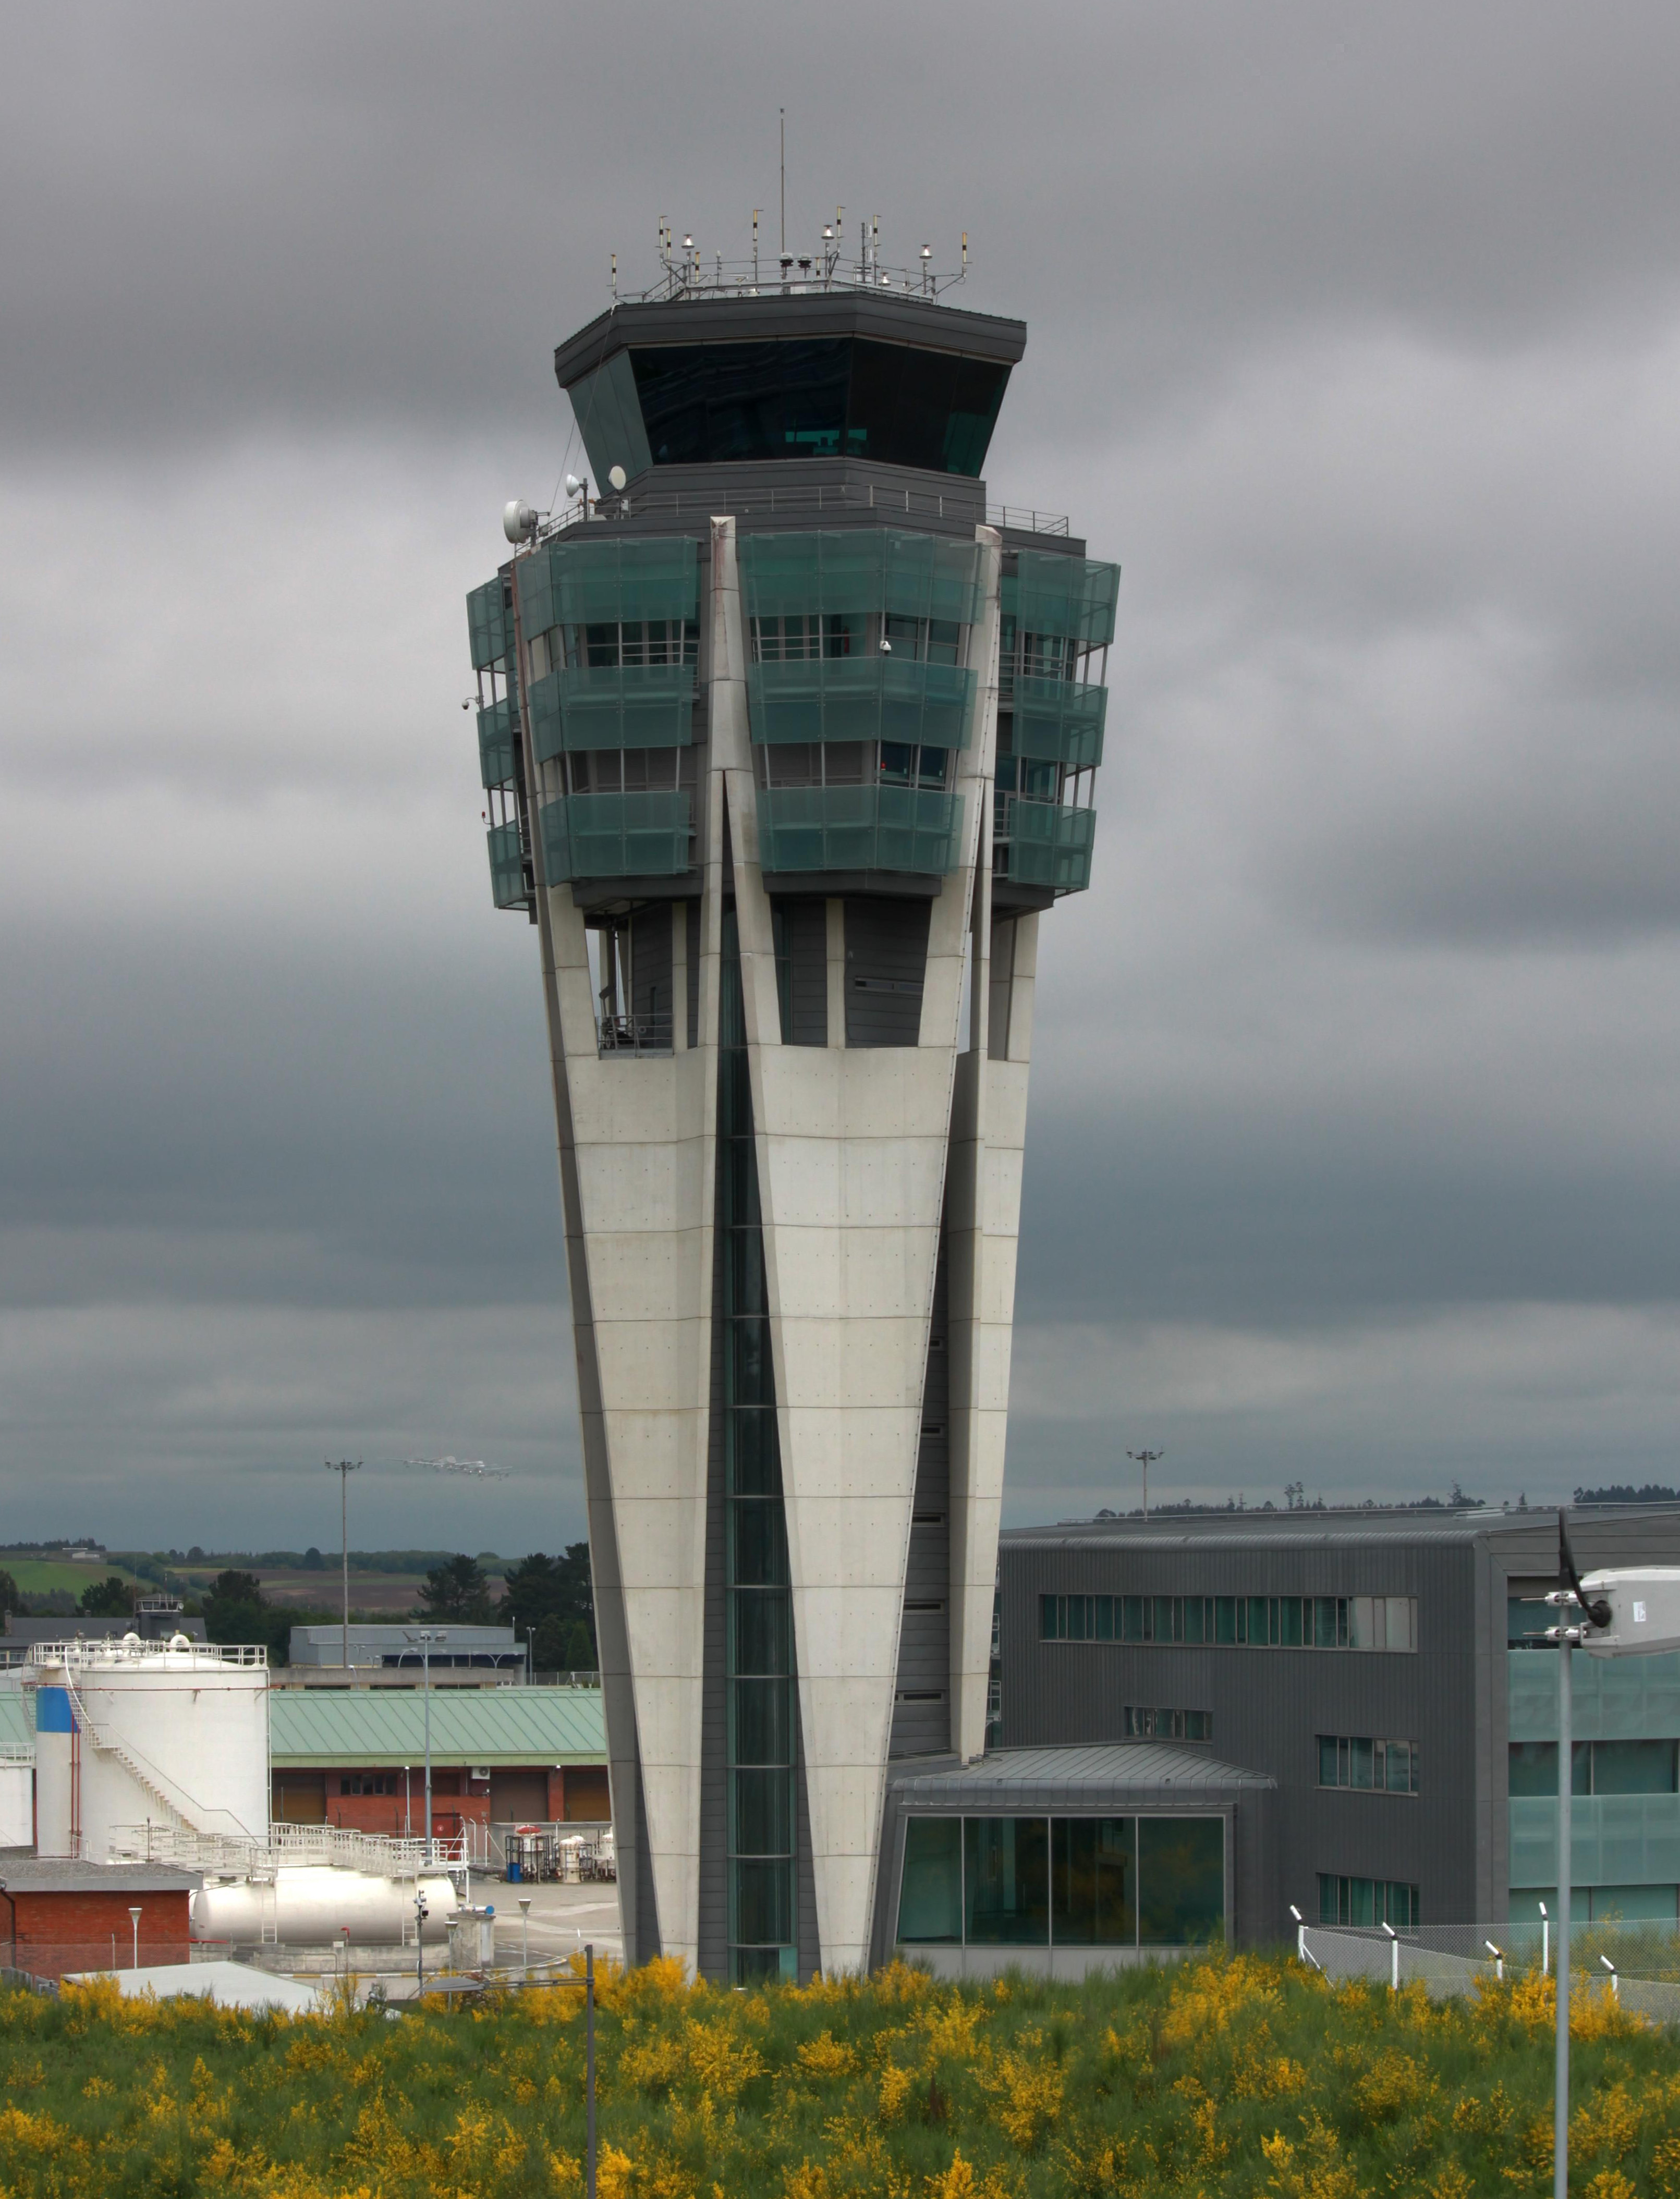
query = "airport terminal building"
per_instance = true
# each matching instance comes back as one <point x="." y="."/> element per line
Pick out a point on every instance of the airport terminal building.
<point x="1382" y="1673"/>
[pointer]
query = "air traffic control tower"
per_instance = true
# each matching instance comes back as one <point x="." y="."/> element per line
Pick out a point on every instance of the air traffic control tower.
<point x="789" y="743"/>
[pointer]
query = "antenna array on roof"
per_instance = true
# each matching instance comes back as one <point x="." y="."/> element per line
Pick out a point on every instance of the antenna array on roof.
<point x="685" y="274"/>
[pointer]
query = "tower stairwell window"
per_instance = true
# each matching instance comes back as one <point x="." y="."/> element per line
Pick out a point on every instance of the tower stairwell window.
<point x="763" y="1742"/>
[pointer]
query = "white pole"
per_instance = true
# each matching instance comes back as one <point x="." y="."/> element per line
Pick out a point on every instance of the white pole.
<point x="1393" y="1958"/>
<point x="1566" y="1865"/>
<point x="1545" y="1940"/>
<point x="134" y="1916"/>
<point x="525" y="1933"/>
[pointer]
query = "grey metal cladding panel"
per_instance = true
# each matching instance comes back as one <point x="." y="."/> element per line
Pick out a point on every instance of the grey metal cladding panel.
<point x="886" y="966"/>
<point x="922" y="1728"/>
<point x="887" y="318"/>
<point x="692" y="971"/>
<point x="1269" y="1705"/>
<point x="802" y="931"/>
<point x="650" y="991"/>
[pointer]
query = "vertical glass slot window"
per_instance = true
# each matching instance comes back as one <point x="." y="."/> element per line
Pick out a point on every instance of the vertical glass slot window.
<point x="758" y="1667"/>
<point x="1368" y="1901"/>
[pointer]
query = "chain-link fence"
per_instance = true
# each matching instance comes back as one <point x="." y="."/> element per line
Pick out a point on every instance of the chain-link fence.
<point x="1642" y="1956"/>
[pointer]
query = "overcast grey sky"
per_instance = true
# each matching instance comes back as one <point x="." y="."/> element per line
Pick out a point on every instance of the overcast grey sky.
<point x="1354" y="336"/>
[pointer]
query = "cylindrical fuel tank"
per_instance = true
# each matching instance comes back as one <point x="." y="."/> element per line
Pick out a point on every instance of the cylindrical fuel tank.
<point x="309" y="1905"/>
<point x="130" y="1733"/>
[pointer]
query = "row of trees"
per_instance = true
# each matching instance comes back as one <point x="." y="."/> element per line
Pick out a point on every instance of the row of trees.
<point x="548" y="1600"/>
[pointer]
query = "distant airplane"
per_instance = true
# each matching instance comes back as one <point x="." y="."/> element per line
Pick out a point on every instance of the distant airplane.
<point x="476" y="1467"/>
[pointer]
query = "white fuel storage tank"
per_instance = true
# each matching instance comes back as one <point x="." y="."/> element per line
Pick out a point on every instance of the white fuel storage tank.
<point x="128" y="1733"/>
<point x="309" y="1905"/>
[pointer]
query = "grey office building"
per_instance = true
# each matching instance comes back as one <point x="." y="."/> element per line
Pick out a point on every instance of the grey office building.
<point x="1378" y="1678"/>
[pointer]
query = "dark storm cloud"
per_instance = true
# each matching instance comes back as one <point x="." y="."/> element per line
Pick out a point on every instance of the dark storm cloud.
<point x="223" y="215"/>
<point x="1353" y="335"/>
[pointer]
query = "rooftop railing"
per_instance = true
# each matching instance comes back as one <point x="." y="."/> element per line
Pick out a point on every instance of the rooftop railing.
<point x="801" y="499"/>
<point x="105" y="1655"/>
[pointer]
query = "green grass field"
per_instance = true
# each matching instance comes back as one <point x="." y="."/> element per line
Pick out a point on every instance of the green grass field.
<point x="41" y="1576"/>
<point x="1244" y="2076"/>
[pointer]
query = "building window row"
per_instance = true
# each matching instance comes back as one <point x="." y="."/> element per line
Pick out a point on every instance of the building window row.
<point x="1254" y="1622"/>
<point x="1368" y="1901"/>
<point x="371" y="1783"/>
<point x="1368" y="1767"/>
<point x="1166" y="1726"/>
<point x="1062" y="1881"/>
<point x="1597" y="1767"/>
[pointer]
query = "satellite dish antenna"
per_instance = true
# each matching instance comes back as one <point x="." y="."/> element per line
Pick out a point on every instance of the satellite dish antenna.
<point x="519" y="520"/>
<point x="618" y="476"/>
<point x="574" y="486"/>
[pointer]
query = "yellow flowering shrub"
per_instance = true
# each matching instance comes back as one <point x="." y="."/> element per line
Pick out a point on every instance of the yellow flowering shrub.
<point x="1244" y="2075"/>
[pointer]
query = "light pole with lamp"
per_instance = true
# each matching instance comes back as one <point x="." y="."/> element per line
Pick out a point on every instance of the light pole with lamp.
<point x="426" y="1636"/>
<point x="1630" y="1612"/>
<point x="1145" y="1459"/>
<point x="344" y="1468"/>
<point x="134" y="1919"/>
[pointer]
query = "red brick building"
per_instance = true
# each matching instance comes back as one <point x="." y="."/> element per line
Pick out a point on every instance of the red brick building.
<point x="67" y="1915"/>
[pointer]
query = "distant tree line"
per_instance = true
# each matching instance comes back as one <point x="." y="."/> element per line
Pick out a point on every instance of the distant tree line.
<point x="548" y="1601"/>
<point x="1624" y="1492"/>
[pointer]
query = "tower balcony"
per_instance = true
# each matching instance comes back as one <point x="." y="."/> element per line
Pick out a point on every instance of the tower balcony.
<point x="913" y="830"/>
<point x="860" y="698"/>
<point x="496" y="757"/>
<point x="508" y="887"/>
<point x="621" y="706"/>
<point x="1059" y="722"/>
<point x="645" y="833"/>
<point x="1042" y="843"/>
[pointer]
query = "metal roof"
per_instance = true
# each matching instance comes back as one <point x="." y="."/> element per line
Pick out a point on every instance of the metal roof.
<point x="1591" y="1527"/>
<point x="22" y="1872"/>
<point x="1126" y="1775"/>
<point x="312" y="1727"/>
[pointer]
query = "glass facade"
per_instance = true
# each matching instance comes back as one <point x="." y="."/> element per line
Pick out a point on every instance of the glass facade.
<point x="618" y="579"/>
<point x="498" y="756"/>
<point x="1058" y="722"/>
<point x="860" y="571"/>
<point x="860" y="698"/>
<point x="1367" y="1766"/>
<point x="490" y="624"/>
<point x="1072" y="598"/>
<point x="507" y="866"/>
<point x="858" y="828"/>
<point x="1253" y="1622"/>
<point x="1142" y="1723"/>
<point x="758" y="1666"/>
<point x="616" y="836"/>
<point x="1368" y="1901"/>
<point x="578" y="707"/>
<point x="1597" y="1767"/>
<point x="1042" y="843"/>
<point x="1084" y="1881"/>
<point x="819" y="397"/>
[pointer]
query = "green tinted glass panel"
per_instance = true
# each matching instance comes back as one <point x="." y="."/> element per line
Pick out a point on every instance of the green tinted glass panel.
<point x="1180" y="1880"/>
<point x="1093" y="1880"/>
<point x="616" y="836"/>
<point x="498" y="758"/>
<point x="929" y="1899"/>
<point x="858" y="828"/>
<point x="507" y="868"/>
<point x="1007" y="1881"/>
<point x="489" y="625"/>
<point x="860" y="698"/>
<point x="1071" y="596"/>
<point x="609" y="420"/>
<point x="1050" y="845"/>
<point x="631" y="706"/>
<point x="1060" y="722"/>
<point x="613" y="581"/>
<point x="1633" y="1767"/>
<point x="861" y="570"/>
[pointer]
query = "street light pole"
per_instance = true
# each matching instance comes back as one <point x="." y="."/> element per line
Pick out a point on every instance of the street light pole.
<point x="344" y="1468"/>
<point x="134" y="1918"/>
<point x="1145" y="1459"/>
<point x="426" y="1636"/>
